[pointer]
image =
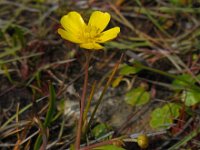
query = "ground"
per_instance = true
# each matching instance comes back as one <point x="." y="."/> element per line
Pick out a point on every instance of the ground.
<point x="153" y="92"/>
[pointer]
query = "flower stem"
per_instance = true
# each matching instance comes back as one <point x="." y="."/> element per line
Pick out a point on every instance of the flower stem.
<point x="80" y="122"/>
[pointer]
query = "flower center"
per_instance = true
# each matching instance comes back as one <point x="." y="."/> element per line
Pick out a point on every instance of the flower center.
<point x="90" y="34"/>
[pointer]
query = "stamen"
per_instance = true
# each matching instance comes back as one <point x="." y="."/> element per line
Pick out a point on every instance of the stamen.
<point x="90" y="34"/>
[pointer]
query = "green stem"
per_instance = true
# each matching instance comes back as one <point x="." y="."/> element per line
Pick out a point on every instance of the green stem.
<point x="194" y="87"/>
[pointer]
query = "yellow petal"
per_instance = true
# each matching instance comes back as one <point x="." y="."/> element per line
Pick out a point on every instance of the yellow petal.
<point x="73" y="22"/>
<point x="108" y="35"/>
<point x="91" y="46"/>
<point x="68" y="36"/>
<point x="99" y="20"/>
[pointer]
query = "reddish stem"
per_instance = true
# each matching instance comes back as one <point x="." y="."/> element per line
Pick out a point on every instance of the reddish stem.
<point x="80" y="122"/>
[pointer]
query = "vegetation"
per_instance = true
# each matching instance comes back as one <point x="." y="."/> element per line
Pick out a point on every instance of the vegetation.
<point x="135" y="86"/>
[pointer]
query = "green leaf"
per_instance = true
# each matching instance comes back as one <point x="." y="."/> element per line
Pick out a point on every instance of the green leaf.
<point x="1" y="34"/>
<point x="198" y="76"/>
<point x="180" y="83"/>
<point x="191" y="97"/>
<point x="49" y="115"/>
<point x="61" y="105"/>
<point x="19" y="36"/>
<point x="176" y="2"/>
<point x="117" y="81"/>
<point x="9" y="51"/>
<point x="40" y="1"/>
<point x="72" y="147"/>
<point x="123" y="45"/>
<point x="127" y="70"/>
<point x="181" y="2"/>
<point x="52" y="107"/>
<point x="99" y="130"/>
<point x="108" y="147"/>
<point x="137" y="96"/>
<point x="163" y="117"/>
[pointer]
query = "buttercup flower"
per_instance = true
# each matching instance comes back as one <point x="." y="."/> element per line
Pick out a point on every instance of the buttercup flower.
<point x="89" y="35"/>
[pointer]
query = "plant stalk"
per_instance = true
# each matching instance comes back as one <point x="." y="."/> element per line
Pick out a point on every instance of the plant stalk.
<point x="82" y="106"/>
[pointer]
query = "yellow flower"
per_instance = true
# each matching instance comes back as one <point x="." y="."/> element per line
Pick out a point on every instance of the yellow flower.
<point x="89" y="35"/>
